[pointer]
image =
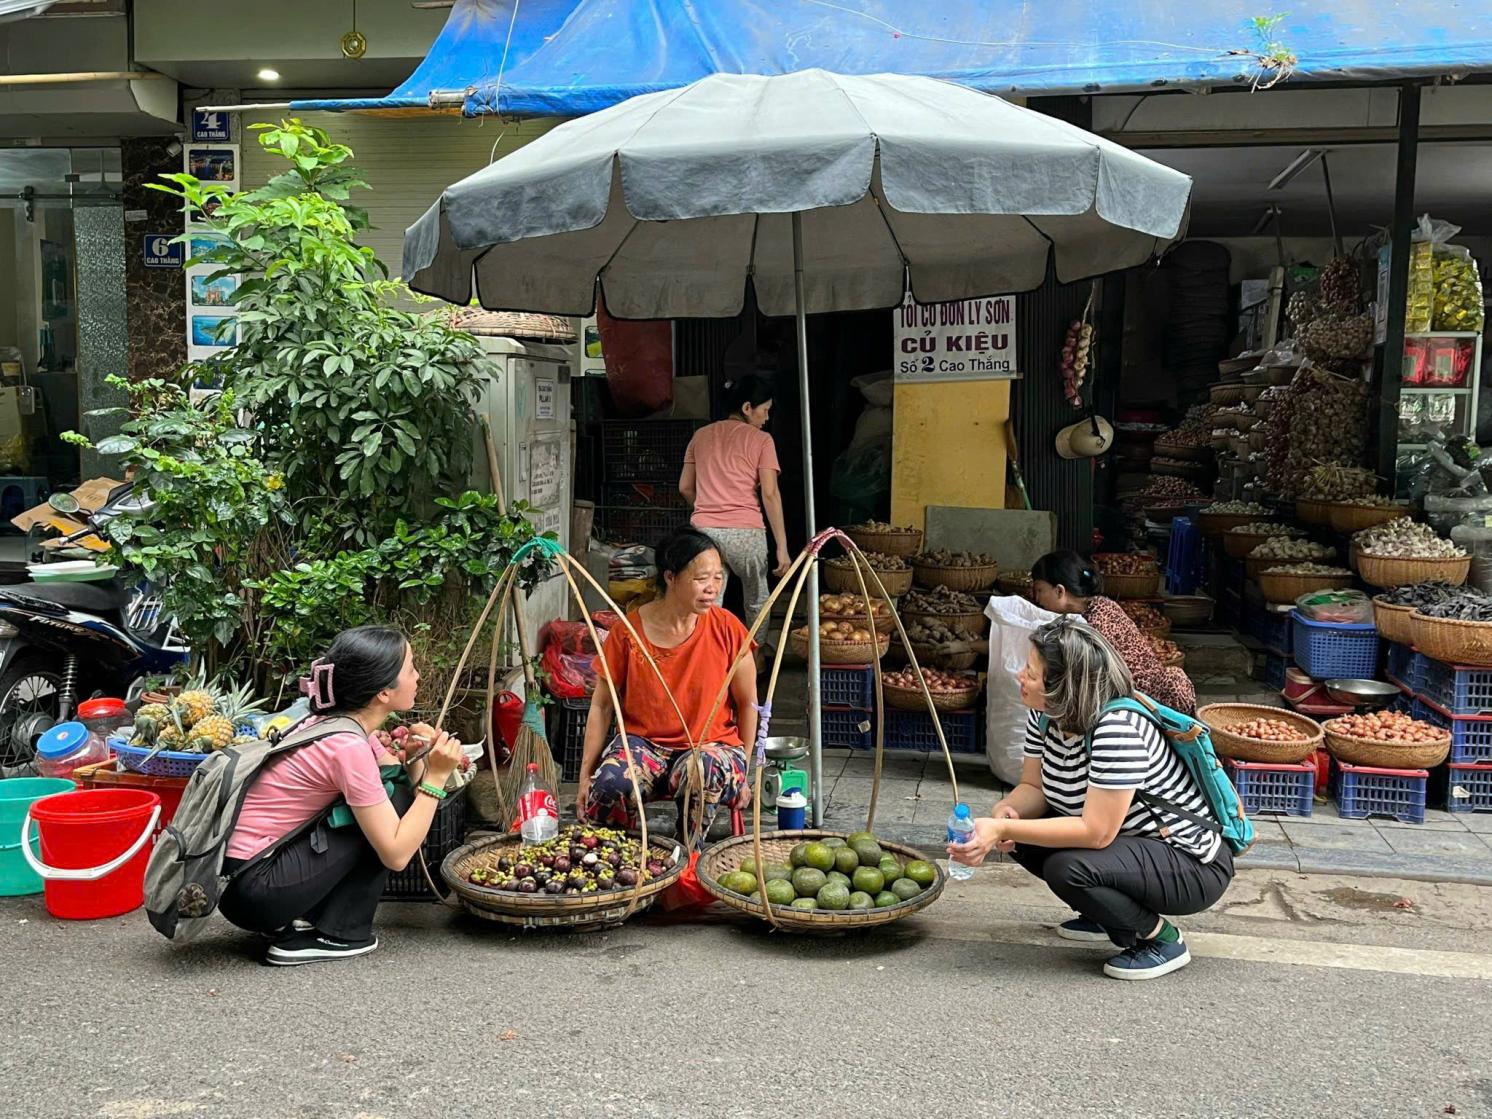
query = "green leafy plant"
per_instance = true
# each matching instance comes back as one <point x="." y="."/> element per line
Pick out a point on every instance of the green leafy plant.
<point x="352" y="395"/>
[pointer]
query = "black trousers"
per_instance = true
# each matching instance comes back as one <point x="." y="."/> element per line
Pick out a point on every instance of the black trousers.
<point x="1126" y="886"/>
<point x="331" y="877"/>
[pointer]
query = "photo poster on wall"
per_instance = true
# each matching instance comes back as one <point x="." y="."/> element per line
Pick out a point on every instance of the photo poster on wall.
<point x="210" y="323"/>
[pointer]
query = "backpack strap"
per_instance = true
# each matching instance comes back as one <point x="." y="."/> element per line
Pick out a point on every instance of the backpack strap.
<point x="1151" y="711"/>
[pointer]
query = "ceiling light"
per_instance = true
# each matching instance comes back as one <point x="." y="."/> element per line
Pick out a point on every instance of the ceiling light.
<point x="1297" y="165"/>
<point x="269" y="75"/>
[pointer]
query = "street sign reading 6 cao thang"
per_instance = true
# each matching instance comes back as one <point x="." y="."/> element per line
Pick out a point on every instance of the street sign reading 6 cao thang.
<point x="968" y="340"/>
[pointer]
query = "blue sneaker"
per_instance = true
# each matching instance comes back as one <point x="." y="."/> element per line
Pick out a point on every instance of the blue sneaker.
<point x="1149" y="959"/>
<point x="1083" y="930"/>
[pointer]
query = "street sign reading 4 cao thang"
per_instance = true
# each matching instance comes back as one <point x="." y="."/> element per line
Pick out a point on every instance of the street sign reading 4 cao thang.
<point x="967" y="340"/>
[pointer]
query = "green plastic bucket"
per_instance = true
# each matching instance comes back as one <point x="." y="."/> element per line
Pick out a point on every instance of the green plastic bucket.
<point x="17" y="795"/>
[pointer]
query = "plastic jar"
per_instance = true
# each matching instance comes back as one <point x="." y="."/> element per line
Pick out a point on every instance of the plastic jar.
<point x="105" y="717"/>
<point x="66" y="747"/>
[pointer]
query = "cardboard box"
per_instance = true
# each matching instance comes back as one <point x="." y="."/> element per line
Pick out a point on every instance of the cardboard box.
<point x="90" y="495"/>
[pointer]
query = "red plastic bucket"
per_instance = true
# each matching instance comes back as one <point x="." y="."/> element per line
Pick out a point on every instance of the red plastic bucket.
<point x="94" y="847"/>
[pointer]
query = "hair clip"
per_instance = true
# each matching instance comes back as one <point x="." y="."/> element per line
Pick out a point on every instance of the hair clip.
<point x="318" y="685"/>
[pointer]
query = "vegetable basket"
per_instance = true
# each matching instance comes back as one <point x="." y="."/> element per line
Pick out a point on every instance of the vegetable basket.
<point x="1451" y="641"/>
<point x="1215" y="524"/>
<point x="904" y="543"/>
<point x="776" y="846"/>
<point x="165" y="763"/>
<point x="1389" y="755"/>
<point x="1313" y="511"/>
<point x="841" y="580"/>
<point x="553" y="911"/>
<point x="843" y="652"/>
<point x="974" y="624"/>
<point x="1393" y="622"/>
<point x="1285" y="587"/>
<point x="911" y="699"/>
<point x="1222" y="717"/>
<point x="1347" y="518"/>
<point x="1238" y="545"/>
<point x="1398" y="571"/>
<point x="967" y="579"/>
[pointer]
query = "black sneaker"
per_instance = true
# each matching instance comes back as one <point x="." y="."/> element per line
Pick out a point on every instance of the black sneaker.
<point x="313" y="947"/>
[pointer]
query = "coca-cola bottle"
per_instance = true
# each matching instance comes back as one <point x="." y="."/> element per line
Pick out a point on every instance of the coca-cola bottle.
<point x="538" y="812"/>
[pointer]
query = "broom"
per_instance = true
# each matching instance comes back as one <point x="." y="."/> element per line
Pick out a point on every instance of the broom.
<point x="531" y="746"/>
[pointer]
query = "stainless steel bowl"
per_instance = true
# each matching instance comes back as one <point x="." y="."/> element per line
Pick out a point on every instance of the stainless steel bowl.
<point x="787" y="748"/>
<point x="1362" y="693"/>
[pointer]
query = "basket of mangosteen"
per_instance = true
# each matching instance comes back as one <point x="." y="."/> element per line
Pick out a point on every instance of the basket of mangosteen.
<point x="817" y="881"/>
<point x="585" y="877"/>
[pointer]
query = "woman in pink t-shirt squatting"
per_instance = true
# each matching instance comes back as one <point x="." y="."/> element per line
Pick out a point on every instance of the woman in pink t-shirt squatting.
<point x="724" y="467"/>
<point x="316" y="892"/>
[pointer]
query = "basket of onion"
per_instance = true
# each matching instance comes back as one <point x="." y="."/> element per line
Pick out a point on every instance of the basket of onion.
<point x="950" y="691"/>
<point x="1252" y="732"/>
<point x="1390" y="739"/>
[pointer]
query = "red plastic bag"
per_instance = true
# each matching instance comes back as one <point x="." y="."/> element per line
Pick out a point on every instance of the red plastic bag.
<point x="639" y="363"/>
<point x="687" y="893"/>
<point x="568" y="675"/>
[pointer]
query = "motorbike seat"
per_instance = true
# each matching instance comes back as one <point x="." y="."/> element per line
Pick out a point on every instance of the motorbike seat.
<point x="107" y="600"/>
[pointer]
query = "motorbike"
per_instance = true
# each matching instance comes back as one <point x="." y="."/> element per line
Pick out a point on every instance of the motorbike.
<point x="75" y="630"/>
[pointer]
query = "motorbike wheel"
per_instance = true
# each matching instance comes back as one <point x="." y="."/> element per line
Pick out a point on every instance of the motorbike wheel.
<point x="29" y="692"/>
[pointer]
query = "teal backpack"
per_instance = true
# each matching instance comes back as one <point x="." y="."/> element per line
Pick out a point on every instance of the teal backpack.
<point x="1192" y="741"/>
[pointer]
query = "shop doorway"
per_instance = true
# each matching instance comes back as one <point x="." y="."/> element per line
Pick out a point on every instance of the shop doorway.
<point x="62" y="315"/>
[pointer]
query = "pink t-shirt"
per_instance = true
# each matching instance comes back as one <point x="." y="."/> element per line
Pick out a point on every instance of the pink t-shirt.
<point x="728" y="457"/>
<point x="292" y="790"/>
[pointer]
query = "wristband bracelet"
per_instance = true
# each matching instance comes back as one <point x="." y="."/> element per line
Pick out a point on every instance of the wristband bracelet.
<point x="431" y="790"/>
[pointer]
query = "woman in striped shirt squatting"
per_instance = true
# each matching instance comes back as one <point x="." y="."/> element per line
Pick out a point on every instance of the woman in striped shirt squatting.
<point x="1091" y="815"/>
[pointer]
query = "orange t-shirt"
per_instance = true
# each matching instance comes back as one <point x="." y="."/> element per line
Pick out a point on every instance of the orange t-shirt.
<point x="693" y="672"/>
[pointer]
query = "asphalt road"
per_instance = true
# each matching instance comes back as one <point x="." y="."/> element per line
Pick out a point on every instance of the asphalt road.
<point x="1309" y="997"/>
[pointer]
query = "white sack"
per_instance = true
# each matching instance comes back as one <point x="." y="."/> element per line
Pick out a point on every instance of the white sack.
<point x="1012" y="621"/>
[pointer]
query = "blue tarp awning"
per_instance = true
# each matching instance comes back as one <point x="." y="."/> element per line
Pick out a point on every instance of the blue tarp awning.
<point x="571" y="57"/>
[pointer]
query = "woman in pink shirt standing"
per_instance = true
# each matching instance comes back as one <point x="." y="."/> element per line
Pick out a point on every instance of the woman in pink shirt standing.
<point x="726" y="465"/>
<point x="314" y="887"/>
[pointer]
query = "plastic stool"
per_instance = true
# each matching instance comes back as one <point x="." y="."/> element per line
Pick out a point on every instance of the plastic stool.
<point x="1183" y="557"/>
<point x="737" y="825"/>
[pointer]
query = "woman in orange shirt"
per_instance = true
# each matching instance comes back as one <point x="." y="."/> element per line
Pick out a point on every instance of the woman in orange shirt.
<point x="694" y="643"/>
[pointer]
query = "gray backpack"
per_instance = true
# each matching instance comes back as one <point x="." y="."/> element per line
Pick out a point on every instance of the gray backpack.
<point x="184" y="878"/>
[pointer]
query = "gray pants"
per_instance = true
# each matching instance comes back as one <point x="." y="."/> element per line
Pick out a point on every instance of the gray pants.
<point x="744" y="552"/>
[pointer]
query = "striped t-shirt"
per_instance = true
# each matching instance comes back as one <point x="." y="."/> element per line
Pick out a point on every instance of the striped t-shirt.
<point x="1129" y="752"/>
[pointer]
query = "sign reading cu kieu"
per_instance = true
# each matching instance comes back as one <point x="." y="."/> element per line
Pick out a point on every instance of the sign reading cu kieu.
<point x="968" y="340"/>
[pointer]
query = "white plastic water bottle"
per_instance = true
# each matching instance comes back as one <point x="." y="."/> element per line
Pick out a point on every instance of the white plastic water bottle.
<point x="538" y="812"/>
<point x="960" y="830"/>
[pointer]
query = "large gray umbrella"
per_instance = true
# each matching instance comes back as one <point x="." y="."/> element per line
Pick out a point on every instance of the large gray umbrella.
<point x="826" y="192"/>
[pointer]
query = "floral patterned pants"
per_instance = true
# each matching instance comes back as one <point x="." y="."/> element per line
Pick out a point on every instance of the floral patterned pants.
<point x="662" y="772"/>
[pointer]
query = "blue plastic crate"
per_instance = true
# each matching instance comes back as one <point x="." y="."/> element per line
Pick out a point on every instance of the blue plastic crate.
<point x="1468" y="788"/>
<point x="1274" y="631"/>
<point x="1284" y="789"/>
<point x="1471" y="735"/>
<point x="1398" y="661"/>
<point x="1335" y="650"/>
<point x="1272" y="673"/>
<point x="1404" y="702"/>
<point x="1460" y="690"/>
<point x="848" y="685"/>
<point x="849" y="726"/>
<point x="913" y="730"/>
<point x="1364" y="791"/>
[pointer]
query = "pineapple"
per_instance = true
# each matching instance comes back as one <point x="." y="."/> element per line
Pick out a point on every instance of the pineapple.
<point x="196" y="703"/>
<point x="148" y="722"/>
<point x="236" y="705"/>
<point x="173" y="736"/>
<point x="212" y="733"/>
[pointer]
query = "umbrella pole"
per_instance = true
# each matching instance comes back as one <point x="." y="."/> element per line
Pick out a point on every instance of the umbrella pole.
<point x="815" y="720"/>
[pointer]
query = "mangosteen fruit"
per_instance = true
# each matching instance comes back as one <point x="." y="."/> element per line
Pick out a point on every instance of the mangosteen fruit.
<point x="561" y="864"/>
<point x="528" y="886"/>
<point x="626" y="876"/>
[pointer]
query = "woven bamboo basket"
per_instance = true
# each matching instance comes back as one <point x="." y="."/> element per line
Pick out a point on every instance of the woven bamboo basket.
<point x="729" y="854"/>
<point x="1220" y="717"/>
<point x="842" y="580"/>
<point x="1390" y="755"/>
<point x="1132" y="586"/>
<point x="1451" y="641"/>
<point x="904" y="543"/>
<point x="1393" y="622"/>
<point x="1176" y="661"/>
<point x="1016" y="583"/>
<point x="970" y="580"/>
<point x="911" y="699"/>
<point x="1191" y="611"/>
<point x="1264" y="406"/>
<point x="1161" y="630"/>
<point x="548" y="911"/>
<point x="1313" y="511"/>
<point x="1347" y="518"/>
<point x="1231" y="393"/>
<point x="1215" y="524"/>
<point x="1195" y="472"/>
<point x="951" y="657"/>
<point x="975" y="624"/>
<point x="1238" y="545"/>
<point x="1288" y="587"/>
<point x="1255" y="566"/>
<point x="1251" y="393"/>
<point x="844" y="652"/>
<point x="1393" y="571"/>
<point x="1182" y="450"/>
<point x="1165" y="512"/>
